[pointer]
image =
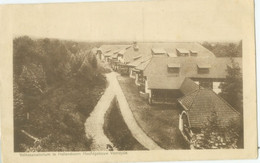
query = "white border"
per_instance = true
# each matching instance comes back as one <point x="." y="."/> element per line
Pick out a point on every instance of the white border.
<point x="257" y="33"/>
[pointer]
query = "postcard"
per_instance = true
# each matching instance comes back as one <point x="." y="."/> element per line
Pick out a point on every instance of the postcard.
<point x="128" y="81"/>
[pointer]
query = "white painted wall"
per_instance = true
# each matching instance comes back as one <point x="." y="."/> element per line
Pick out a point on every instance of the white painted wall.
<point x="131" y="75"/>
<point x="121" y="59"/>
<point x="147" y="90"/>
<point x="180" y="122"/>
<point x="216" y="87"/>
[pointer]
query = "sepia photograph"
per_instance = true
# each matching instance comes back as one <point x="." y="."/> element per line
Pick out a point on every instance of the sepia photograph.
<point x="128" y="81"/>
<point x="80" y="96"/>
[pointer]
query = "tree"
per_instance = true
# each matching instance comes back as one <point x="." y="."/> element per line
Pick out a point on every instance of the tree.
<point x="232" y="88"/>
<point x="32" y="80"/>
<point x="213" y="136"/>
<point x="94" y="62"/>
<point x="232" y="49"/>
<point x="19" y="112"/>
<point x="24" y="52"/>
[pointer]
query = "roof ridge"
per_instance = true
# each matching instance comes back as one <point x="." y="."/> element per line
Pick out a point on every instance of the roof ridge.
<point x="206" y="49"/>
<point x="198" y="90"/>
<point x="187" y="78"/>
<point x="149" y="60"/>
<point x="188" y="94"/>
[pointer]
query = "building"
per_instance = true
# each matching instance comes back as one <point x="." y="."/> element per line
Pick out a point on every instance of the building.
<point x="159" y="69"/>
<point x="197" y="105"/>
<point x="164" y="75"/>
<point x="111" y="51"/>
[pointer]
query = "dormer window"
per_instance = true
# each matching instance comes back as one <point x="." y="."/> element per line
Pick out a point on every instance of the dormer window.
<point x="193" y="53"/>
<point x="158" y="51"/>
<point x="182" y="52"/>
<point x="203" y="68"/>
<point x="174" y="68"/>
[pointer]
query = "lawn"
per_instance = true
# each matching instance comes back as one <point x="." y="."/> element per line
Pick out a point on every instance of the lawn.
<point x="160" y="122"/>
<point x="116" y="130"/>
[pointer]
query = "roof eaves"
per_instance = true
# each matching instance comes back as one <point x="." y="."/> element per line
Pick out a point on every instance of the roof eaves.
<point x="182" y="104"/>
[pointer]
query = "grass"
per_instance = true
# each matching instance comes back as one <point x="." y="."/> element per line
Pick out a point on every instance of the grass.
<point x="117" y="131"/>
<point x="160" y="122"/>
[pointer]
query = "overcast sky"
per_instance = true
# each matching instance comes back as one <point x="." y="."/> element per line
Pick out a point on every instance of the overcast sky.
<point x="127" y="21"/>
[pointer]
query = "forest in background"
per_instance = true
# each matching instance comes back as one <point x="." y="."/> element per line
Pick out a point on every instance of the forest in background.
<point x="224" y="49"/>
<point x="56" y="85"/>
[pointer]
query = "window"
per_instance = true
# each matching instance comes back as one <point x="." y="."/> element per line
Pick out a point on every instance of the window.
<point x="193" y="53"/>
<point x="206" y="84"/>
<point x="182" y="52"/>
<point x="203" y="68"/>
<point x="174" y="68"/>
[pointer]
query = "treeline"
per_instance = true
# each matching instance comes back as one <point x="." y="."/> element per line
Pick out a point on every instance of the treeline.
<point x="51" y="60"/>
<point x="224" y="49"/>
<point x="56" y="85"/>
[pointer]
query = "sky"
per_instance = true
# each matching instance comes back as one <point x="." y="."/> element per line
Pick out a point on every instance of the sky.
<point x="131" y="21"/>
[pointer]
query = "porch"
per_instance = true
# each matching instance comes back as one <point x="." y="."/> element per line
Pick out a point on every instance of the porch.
<point x="164" y="96"/>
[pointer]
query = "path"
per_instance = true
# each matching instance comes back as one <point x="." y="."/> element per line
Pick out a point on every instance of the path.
<point x="129" y="119"/>
<point x="94" y="124"/>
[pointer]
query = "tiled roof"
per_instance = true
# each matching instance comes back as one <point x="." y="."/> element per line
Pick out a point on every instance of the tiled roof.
<point x="188" y="86"/>
<point x="201" y="103"/>
<point x="108" y="54"/>
<point x="158" y="67"/>
<point x="139" y="60"/>
<point x="144" y="49"/>
<point x="171" y="54"/>
<point x="143" y="65"/>
<point x="173" y="65"/>
<point x="171" y="82"/>
<point x="111" y="47"/>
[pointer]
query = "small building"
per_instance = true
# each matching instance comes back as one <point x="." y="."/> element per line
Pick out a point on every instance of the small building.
<point x="104" y="52"/>
<point x="197" y="105"/>
<point x="138" y="60"/>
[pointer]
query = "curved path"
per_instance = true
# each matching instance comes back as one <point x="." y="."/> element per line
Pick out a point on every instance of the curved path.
<point x="129" y="119"/>
<point x="94" y="124"/>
